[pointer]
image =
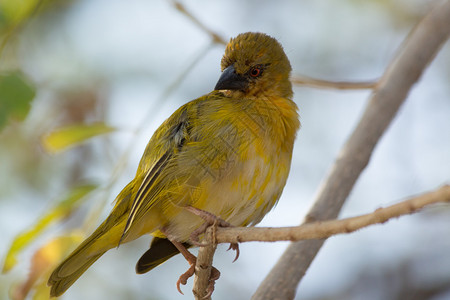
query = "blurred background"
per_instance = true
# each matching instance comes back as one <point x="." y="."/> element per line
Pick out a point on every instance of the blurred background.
<point x="125" y="66"/>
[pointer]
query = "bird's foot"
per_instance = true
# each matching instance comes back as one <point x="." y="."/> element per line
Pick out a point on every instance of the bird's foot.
<point x="215" y="274"/>
<point x="210" y="220"/>
<point x="185" y="276"/>
<point x="192" y="260"/>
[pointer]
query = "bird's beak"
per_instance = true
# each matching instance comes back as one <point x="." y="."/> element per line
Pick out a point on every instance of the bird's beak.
<point x="230" y="80"/>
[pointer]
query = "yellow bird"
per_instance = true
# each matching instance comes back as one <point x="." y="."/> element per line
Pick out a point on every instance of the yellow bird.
<point x="225" y="154"/>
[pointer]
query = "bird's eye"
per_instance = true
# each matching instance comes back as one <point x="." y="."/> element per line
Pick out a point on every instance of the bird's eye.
<point x="255" y="71"/>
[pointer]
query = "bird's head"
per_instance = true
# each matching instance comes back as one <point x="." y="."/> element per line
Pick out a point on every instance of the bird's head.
<point x="255" y="64"/>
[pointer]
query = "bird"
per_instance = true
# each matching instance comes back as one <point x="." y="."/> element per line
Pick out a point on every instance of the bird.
<point x="225" y="155"/>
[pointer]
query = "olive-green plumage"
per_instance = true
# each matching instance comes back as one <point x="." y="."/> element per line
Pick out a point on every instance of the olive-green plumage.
<point x="227" y="152"/>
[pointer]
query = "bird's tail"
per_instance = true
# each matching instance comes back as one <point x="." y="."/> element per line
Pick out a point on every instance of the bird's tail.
<point x="60" y="283"/>
<point x="105" y="237"/>
<point x="80" y="260"/>
<point x="160" y="250"/>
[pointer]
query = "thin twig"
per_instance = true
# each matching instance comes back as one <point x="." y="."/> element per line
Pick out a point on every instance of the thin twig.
<point x="325" y="229"/>
<point x="416" y="53"/>
<point x="214" y="35"/>
<point x="327" y="84"/>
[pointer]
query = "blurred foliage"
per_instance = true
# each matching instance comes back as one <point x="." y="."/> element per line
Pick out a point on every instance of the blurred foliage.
<point x="14" y="12"/>
<point x="65" y="117"/>
<point x="61" y="210"/>
<point x="42" y="263"/>
<point x="16" y="94"/>
<point x="64" y="137"/>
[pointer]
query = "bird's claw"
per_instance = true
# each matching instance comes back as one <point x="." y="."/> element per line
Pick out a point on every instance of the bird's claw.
<point x="184" y="277"/>
<point x="196" y="233"/>
<point x="210" y="220"/>
<point x="235" y="247"/>
<point x="215" y="274"/>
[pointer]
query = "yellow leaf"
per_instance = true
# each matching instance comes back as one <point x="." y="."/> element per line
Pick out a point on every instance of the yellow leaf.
<point x="42" y="262"/>
<point x="62" y="209"/>
<point x="65" y="137"/>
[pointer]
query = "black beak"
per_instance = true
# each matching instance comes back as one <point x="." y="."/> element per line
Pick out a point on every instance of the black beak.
<point x="230" y="80"/>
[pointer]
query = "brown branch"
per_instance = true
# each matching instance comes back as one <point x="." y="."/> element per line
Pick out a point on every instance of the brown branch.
<point x="315" y="230"/>
<point x="339" y="85"/>
<point x="214" y="36"/>
<point x="416" y="53"/>
<point x="325" y="229"/>
<point x="204" y="265"/>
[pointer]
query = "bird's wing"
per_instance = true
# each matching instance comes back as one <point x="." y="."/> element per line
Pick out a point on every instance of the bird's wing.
<point x="162" y="149"/>
<point x="200" y="139"/>
<point x="143" y="191"/>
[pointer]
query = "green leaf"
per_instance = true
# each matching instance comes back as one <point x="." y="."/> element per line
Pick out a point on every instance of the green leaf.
<point x="66" y="206"/>
<point x="65" y="137"/>
<point x="16" y="94"/>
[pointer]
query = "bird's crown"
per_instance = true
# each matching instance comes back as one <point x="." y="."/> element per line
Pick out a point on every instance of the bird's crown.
<point x="253" y="48"/>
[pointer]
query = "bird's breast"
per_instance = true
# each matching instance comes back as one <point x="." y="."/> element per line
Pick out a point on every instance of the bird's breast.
<point x="236" y="169"/>
<point x="242" y="195"/>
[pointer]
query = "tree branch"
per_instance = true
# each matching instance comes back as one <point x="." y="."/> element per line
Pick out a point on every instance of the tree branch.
<point x="339" y="85"/>
<point x="204" y="265"/>
<point x="325" y="229"/>
<point x="416" y="53"/>
<point x="315" y="230"/>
